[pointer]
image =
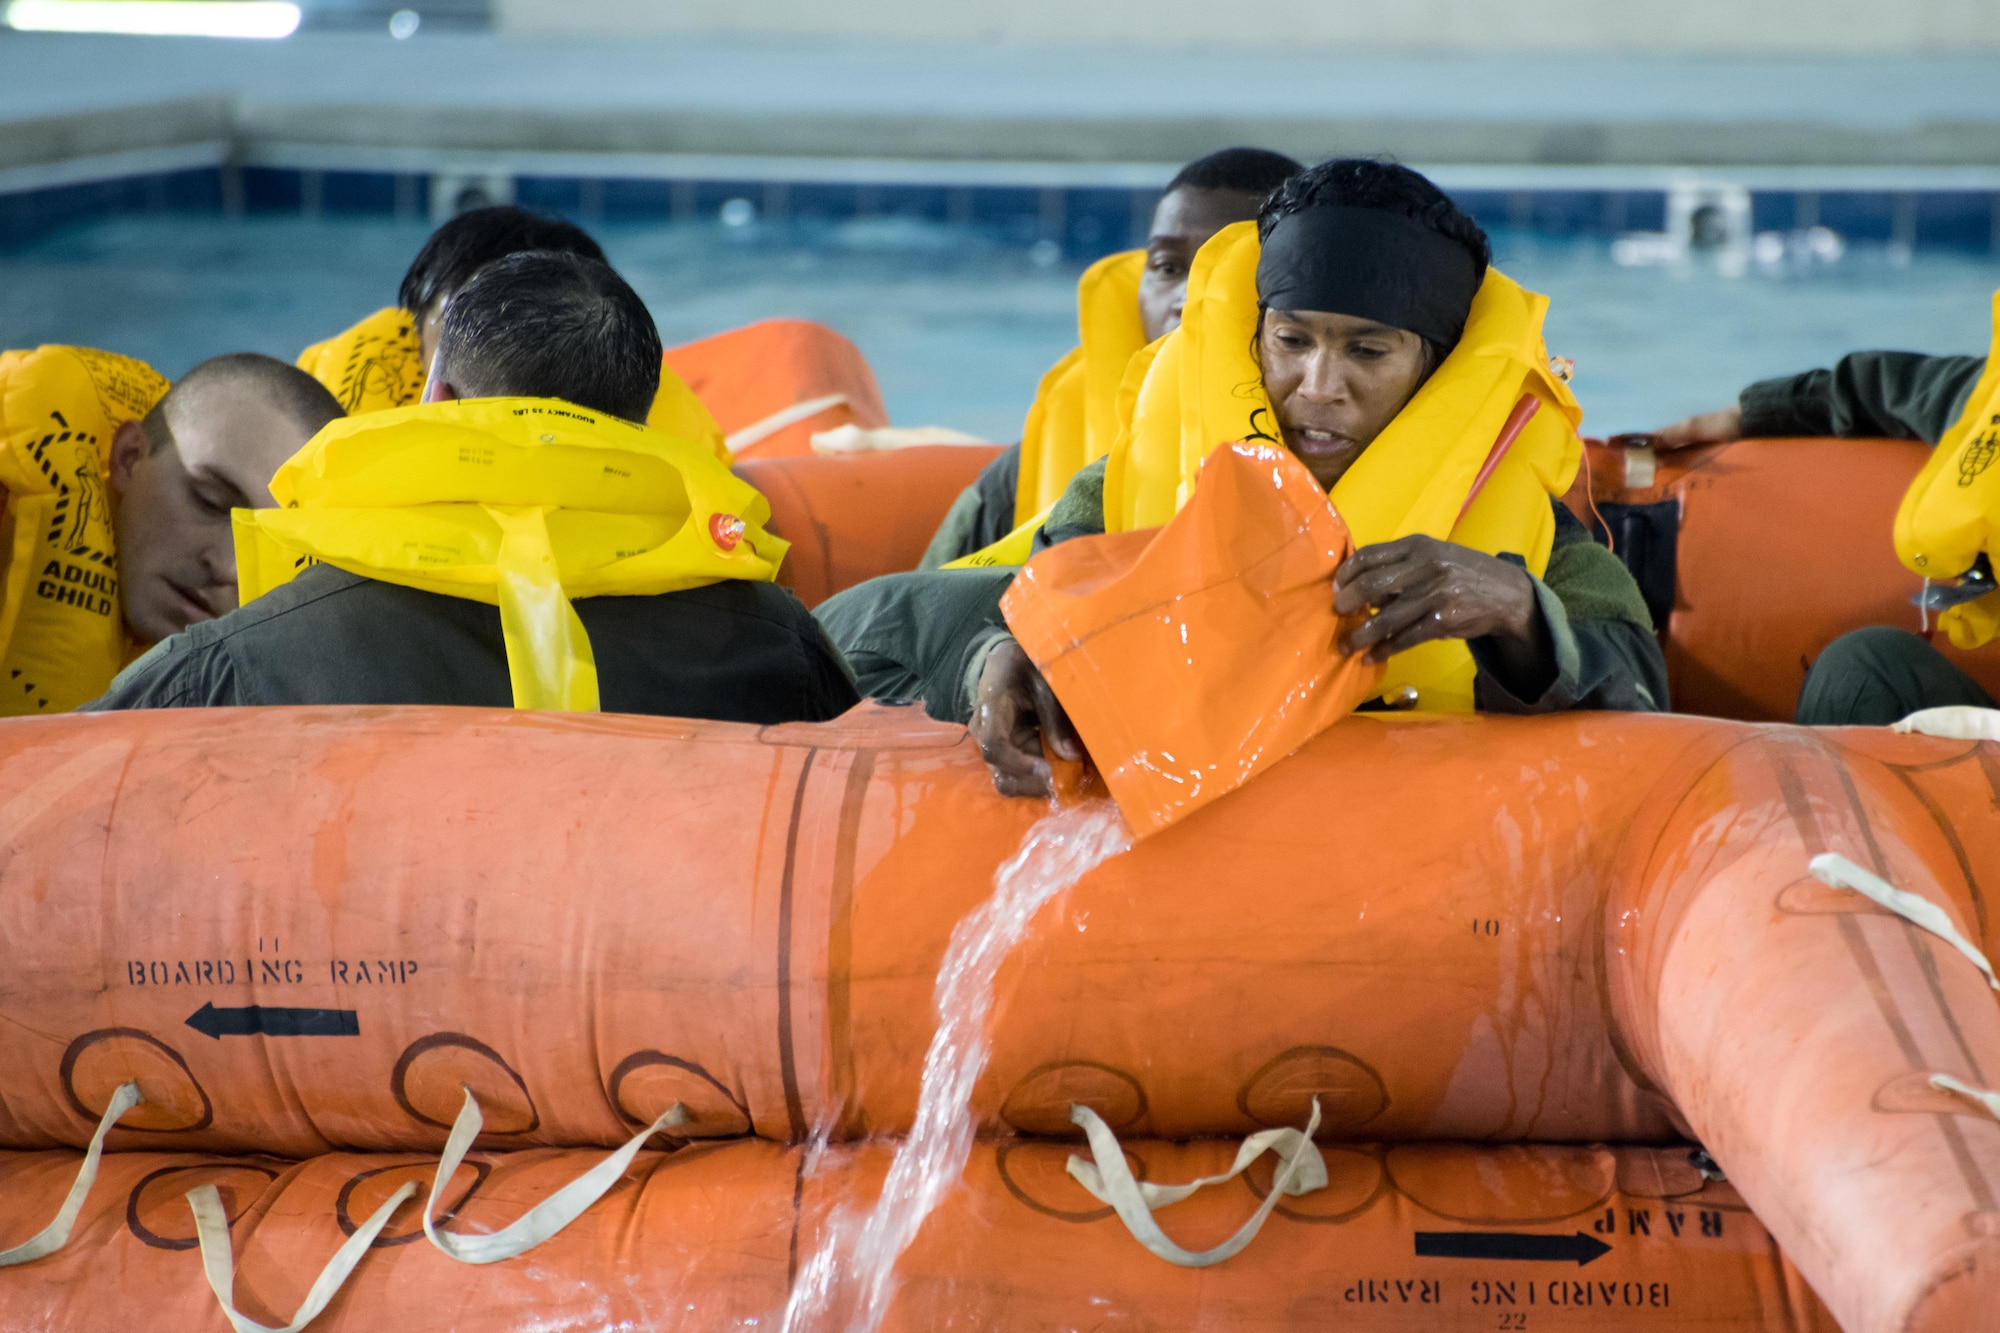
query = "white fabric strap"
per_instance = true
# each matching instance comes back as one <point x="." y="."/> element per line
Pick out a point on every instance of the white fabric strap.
<point x="56" y="1234"/>
<point x="853" y="439"/>
<point x="1840" y="873"/>
<point x="1108" y="1177"/>
<point x="546" y="1218"/>
<point x="777" y="421"/>
<point x="1959" y="722"/>
<point x="211" y="1228"/>
<point x="1988" y="1099"/>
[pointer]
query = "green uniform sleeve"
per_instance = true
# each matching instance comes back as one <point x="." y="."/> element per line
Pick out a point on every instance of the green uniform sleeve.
<point x="925" y="635"/>
<point x="922" y="635"/>
<point x="188" y="670"/>
<point x="1897" y="395"/>
<point x="1606" y="653"/>
<point x="1079" y="511"/>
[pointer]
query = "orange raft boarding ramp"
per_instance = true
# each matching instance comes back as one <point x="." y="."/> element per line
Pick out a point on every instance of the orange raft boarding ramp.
<point x="308" y="930"/>
<point x="1629" y="1239"/>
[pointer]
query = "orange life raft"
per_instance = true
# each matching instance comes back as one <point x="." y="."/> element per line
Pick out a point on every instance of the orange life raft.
<point x="1407" y="1237"/>
<point x="771" y="385"/>
<point x="853" y="517"/>
<point x="308" y="929"/>
<point x="1758" y="554"/>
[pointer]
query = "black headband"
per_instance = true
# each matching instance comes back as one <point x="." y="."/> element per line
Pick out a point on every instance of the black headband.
<point x="1369" y="264"/>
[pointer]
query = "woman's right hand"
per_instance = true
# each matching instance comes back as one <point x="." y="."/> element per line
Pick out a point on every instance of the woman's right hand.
<point x="1014" y="711"/>
<point x="1707" y="428"/>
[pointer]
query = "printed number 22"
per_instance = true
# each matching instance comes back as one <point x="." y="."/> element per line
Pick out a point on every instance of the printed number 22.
<point x="1514" y="1320"/>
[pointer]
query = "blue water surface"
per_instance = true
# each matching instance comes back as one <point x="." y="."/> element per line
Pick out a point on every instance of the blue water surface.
<point x="958" y="323"/>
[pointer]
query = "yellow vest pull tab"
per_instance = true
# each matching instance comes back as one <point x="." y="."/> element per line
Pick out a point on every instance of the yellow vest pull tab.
<point x="548" y="653"/>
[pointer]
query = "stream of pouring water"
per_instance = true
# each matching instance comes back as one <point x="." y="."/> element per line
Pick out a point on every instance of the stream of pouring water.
<point x="846" y="1284"/>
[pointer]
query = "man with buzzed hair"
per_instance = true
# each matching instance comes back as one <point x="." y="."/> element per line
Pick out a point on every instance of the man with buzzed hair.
<point x="118" y="490"/>
<point x="210" y="446"/>
<point x="529" y="440"/>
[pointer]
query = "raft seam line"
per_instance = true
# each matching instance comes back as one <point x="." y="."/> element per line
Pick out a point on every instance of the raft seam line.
<point x="1623" y="1048"/>
<point x="1969" y="1172"/>
<point x="1920" y="946"/>
<point x="1875" y="853"/>
<point x="840" y="936"/>
<point x="1926" y="960"/>
<point x="1989" y="764"/>
<point x="788" y="1066"/>
<point x="1947" y="1125"/>
<point x="1951" y="839"/>
<point x="1792" y="787"/>
<point x="1878" y="986"/>
<point x="798" y="1201"/>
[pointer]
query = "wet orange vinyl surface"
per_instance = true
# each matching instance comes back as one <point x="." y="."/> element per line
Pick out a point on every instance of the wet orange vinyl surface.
<point x="1577" y="929"/>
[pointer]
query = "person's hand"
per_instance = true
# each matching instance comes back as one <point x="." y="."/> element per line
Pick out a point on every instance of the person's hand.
<point x="1418" y="589"/>
<point x="1707" y="428"/>
<point x="1014" y="712"/>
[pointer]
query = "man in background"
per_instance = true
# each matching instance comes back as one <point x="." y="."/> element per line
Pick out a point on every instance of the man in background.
<point x="1124" y="303"/>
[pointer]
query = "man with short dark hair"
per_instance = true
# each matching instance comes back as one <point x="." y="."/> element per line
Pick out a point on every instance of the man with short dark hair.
<point x="516" y="538"/>
<point x="383" y="360"/>
<point x="1204" y="197"/>
<point x="567" y="327"/>
<point x="468" y="243"/>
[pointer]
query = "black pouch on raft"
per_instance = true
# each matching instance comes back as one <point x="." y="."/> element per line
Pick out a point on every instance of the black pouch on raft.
<point x="1646" y="538"/>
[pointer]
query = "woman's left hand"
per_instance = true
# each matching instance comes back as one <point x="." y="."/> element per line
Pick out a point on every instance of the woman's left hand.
<point x="1417" y="589"/>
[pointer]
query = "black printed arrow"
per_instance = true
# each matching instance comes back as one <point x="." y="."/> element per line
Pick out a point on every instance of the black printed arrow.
<point x="1509" y="1245"/>
<point x="255" y="1018"/>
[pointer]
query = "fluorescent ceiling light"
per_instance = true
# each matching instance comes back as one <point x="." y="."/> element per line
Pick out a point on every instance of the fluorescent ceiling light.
<point x="157" y="18"/>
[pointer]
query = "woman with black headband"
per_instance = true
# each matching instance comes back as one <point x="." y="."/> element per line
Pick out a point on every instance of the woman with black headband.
<point x="1360" y="325"/>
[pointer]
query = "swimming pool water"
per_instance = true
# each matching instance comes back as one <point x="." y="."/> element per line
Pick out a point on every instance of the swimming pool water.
<point x="958" y="324"/>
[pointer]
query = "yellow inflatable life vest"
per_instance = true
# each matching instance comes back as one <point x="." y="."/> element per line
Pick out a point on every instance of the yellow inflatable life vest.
<point x="62" y="624"/>
<point x="1204" y="389"/>
<point x="1075" y="417"/>
<point x="677" y="412"/>
<point x="379" y="364"/>
<point x="523" y="503"/>
<point x="1951" y="513"/>
<point x="1074" y="420"/>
